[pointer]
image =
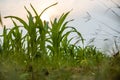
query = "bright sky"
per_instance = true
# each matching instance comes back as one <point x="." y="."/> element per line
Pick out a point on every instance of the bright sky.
<point x="16" y="7"/>
<point x="80" y="7"/>
<point x="90" y="15"/>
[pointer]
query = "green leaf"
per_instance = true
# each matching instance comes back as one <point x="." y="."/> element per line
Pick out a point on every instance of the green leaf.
<point x="20" y="20"/>
<point x="47" y="8"/>
<point x="1" y="20"/>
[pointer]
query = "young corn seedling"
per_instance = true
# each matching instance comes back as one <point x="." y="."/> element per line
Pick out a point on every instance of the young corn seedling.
<point x="36" y="32"/>
<point x="58" y="40"/>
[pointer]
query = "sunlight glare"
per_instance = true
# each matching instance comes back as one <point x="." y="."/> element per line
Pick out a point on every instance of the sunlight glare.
<point x="45" y="17"/>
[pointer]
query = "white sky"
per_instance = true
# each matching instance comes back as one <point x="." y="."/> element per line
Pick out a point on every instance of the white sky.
<point x="80" y="12"/>
<point x="80" y="7"/>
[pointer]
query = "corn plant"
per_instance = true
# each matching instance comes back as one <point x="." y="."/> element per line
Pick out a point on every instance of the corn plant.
<point x="89" y="56"/>
<point x="42" y="39"/>
<point x="36" y="32"/>
<point x="58" y="38"/>
<point x="6" y="40"/>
